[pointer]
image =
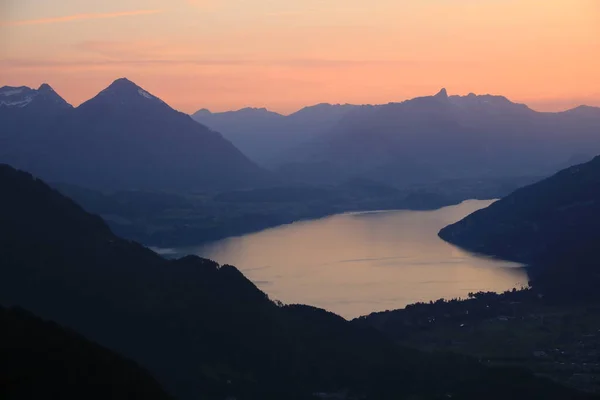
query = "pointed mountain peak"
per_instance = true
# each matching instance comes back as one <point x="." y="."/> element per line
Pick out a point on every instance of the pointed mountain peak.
<point x="47" y="97"/>
<point x="123" y="84"/>
<point x="202" y="113"/>
<point x="442" y="94"/>
<point x="44" y="87"/>
<point x="124" y="92"/>
<point x="44" y="98"/>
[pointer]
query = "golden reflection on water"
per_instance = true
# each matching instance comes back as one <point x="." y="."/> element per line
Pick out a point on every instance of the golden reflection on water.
<point x="355" y="264"/>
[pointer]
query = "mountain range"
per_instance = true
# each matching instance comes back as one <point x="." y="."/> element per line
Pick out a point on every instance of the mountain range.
<point x="436" y="138"/>
<point x="263" y="135"/>
<point x="127" y="138"/>
<point x="425" y="140"/>
<point x="124" y="137"/>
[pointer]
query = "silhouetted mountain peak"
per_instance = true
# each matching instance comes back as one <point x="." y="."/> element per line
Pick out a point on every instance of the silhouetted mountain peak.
<point x="47" y="94"/>
<point x="123" y="84"/>
<point x="125" y="87"/>
<point x="442" y="94"/>
<point x="125" y="93"/>
<point x="205" y="116"/>
<point x="262" y="111"/>
<point x="324" y="110"/>
<point x="487" y="102"/>
<point x="79" y="147"/>
<point x="46" y="88"/>
<point x="584" y="110"/>
<point x="23" y="96"/>
<point x="321" y="107"/>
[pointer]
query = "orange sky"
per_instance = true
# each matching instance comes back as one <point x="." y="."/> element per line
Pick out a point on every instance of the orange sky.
<point x="228" y="54"/>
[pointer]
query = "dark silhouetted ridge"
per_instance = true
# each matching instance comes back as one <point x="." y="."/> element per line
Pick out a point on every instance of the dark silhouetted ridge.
<point x="553" y="225"/>
<point x="442" y="94"/>
<point x="123" y="95"/>
<point x="40" y="359"/>
<point x="123" y="138"/>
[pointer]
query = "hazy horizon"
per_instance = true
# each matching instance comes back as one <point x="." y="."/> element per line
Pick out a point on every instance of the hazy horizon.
<point x="234" y="54"/>
<point x="292" y="111"/>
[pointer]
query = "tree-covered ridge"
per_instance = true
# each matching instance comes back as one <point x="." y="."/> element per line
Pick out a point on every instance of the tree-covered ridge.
<point x="552" y="225"/>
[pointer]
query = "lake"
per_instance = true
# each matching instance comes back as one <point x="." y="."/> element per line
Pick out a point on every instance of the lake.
<point x="357" y="263"/>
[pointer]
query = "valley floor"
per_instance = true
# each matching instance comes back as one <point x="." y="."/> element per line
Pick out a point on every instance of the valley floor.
<point x="518" y="329"/>
<point x="174" y="220"/>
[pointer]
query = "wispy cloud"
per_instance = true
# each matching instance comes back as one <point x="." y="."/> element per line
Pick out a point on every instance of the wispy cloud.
<point x="47" y="64"/>
<point x="79" y="17"/>
<point x="289" y="63"/>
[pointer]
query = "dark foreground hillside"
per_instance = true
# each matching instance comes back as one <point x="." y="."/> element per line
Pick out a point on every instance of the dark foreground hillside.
<point x="204" y="330"/>
<point x="552" y="225"/>
<point x="40" y="359"/>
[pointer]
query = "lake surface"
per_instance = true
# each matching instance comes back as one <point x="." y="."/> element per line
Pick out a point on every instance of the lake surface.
<point x="357" y="263"/>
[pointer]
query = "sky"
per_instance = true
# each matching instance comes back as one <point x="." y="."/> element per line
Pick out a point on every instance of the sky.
<point x="285" y="54"/>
